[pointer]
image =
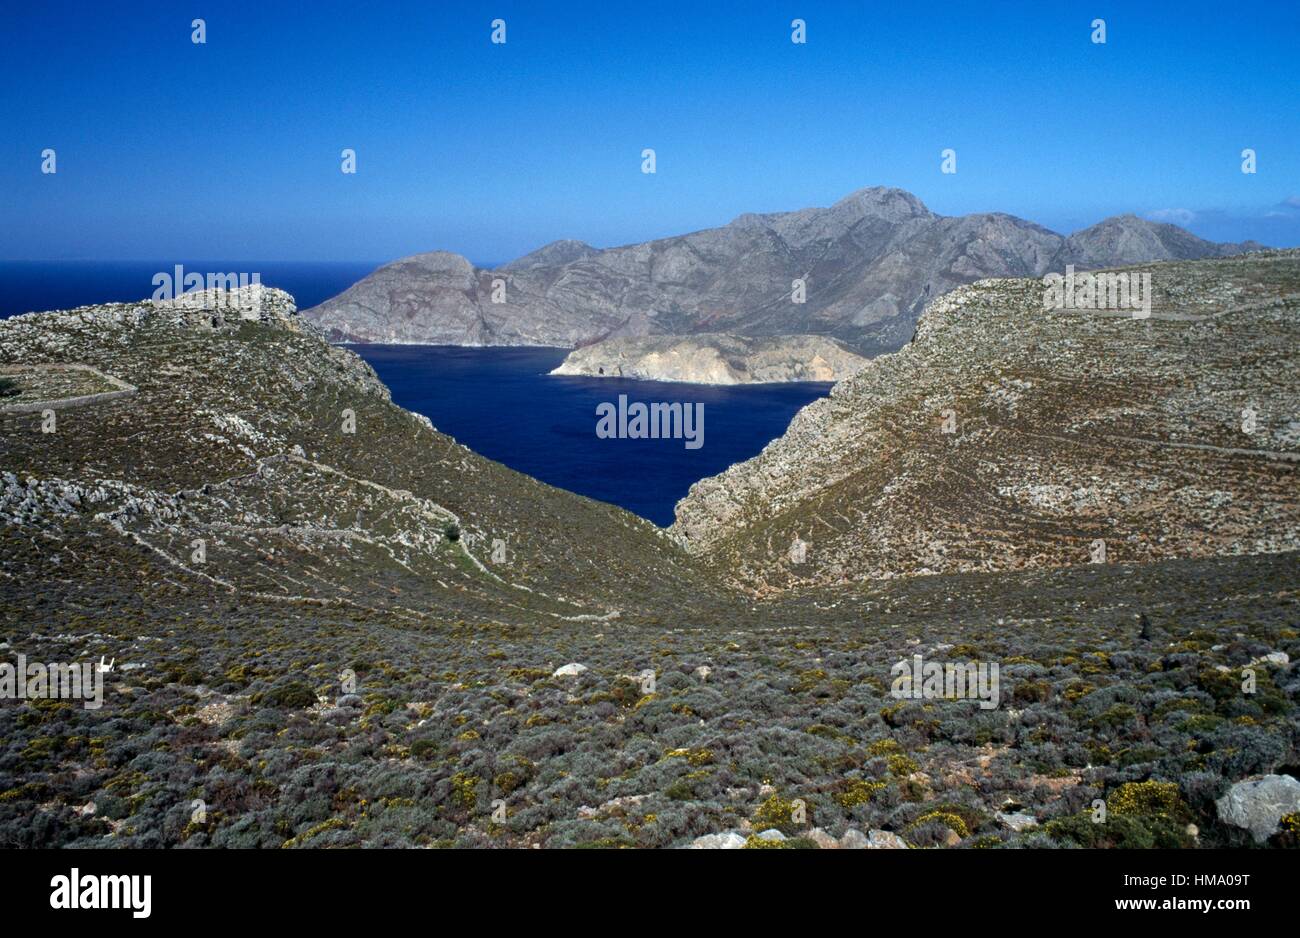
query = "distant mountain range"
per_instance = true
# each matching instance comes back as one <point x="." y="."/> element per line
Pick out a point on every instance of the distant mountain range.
<point x="869" y="264"/>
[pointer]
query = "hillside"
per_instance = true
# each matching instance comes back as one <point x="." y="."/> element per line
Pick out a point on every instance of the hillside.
<point x="234" y="433"/>
<point x="1007" y="437"/>
<point x="869" y="263"/>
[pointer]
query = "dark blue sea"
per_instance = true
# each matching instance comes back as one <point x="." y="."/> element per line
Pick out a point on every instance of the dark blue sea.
<point x="503" y="404"/>
<point x="499" y="402"/>
<point x="30" y="286"/>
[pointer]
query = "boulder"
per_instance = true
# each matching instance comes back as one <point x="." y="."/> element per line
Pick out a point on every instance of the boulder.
<point x="1257" y="804"/>
<point x="823" y="840"/>
<point x="727" y="841"/>
<point x="1018" y="821"/>
<point x="876" y="840"/>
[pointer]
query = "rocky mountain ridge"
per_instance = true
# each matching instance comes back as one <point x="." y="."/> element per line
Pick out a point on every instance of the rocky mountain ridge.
<point x="867" y="264"/>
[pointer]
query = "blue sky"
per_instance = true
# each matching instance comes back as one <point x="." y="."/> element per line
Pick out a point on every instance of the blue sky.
<point x="231" y="149"/>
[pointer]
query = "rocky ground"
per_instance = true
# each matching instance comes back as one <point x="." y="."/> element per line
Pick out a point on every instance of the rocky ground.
<point x="329" y="624"/>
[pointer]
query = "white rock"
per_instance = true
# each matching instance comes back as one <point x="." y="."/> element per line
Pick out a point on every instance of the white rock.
<point x="569" y="670"/>
<point x="1257" y="804"/>
<point x="771" y="834"/>
<point x="885" y="840"/>
<point x="853" y="839"/>
<point x="823" y="840"/>
<point x="1019" y="821"/>
<point x="728" y="841"/>
<point x="1278" y="658"/>
<point x="703" y="672"/>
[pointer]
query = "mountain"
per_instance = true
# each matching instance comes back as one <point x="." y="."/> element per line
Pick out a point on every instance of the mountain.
<point x="869" y="264"/>
<point x="1009" y="437"/>
<point x="1127" y="239"/>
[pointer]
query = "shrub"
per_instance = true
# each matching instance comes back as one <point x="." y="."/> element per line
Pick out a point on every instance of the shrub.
<point x="948" y="819"/>
<point x="289" y="695"/>
<point x="775" y="812"/>
<point x="857" y="791"/>
<point x="424" y="749"/>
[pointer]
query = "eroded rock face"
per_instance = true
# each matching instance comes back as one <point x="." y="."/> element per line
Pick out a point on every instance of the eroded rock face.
<point x="1009" y="437"/>
<point x="716" y="359"/>
<point x="868" y="265"/>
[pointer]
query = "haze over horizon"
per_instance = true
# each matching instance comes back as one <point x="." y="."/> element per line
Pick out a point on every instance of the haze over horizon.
<point x="493" y="150"/>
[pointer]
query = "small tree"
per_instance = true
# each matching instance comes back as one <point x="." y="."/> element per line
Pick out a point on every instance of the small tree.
<point x="8" y="387"/>
<point x="451" y="530"/>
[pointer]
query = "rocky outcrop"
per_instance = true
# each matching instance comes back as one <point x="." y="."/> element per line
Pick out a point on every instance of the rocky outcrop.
<point x="1007" y="436"/>
<point x="716" y="359"/>
<point x="860" y="271"/>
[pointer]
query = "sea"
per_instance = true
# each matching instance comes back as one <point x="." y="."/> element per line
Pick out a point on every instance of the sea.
<point x="500" y="402"/>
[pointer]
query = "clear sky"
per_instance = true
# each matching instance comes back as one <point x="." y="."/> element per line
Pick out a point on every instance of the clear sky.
<point x="231" y="149"/>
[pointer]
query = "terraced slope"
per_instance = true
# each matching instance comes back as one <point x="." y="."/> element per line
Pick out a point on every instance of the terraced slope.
<point x="1006" y="437"/>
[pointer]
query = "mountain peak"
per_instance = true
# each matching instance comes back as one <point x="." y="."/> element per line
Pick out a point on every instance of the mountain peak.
<point x="563" y="251"/>
<point x="886" y="202"/>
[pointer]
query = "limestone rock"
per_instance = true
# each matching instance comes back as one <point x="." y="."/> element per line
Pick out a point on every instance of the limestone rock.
<point x="823" y="840"/>
<point x="1258" y="804"/>
<point x="1017" y="821"/>
<point x="854" y="839"/>
<point x="727" y="841"/>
